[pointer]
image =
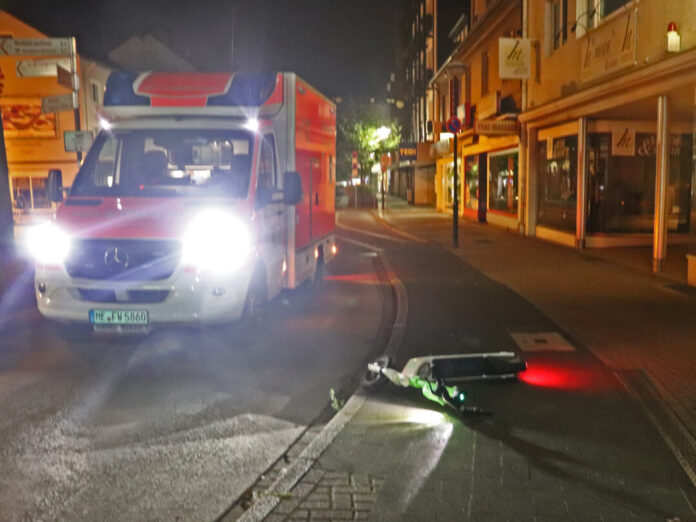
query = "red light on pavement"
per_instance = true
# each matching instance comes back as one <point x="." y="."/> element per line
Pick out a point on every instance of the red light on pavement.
<point x="568" y="376"/>
<point x="544" y="377"/>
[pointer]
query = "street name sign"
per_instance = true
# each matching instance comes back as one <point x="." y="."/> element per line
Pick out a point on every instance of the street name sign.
<point x="35" y="46"/>
<point x="37" y="68"/>
<point x="63" y="102"/>
<point x="67" y="78"/>
<point x="77" y="141"/>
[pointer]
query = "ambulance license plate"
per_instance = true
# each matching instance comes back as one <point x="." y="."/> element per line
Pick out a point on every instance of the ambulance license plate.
<point x="137" y="317"/>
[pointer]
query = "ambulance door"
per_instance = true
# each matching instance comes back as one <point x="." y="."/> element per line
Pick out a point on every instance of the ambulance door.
<point x="270" y="215"/>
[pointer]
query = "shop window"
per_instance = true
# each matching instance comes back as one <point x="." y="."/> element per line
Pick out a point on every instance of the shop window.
<point x="39" y="193"/>
<point x="29" y="193"/>
<point x="621" y="189"/>
<point x="21" y="194"/>
<point x="471" y="183"/>
<point x="558" y="183"/>
<point x="503" y="182"/>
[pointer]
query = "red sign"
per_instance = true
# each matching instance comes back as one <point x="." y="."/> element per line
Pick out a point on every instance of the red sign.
<point x="454" y="125"/>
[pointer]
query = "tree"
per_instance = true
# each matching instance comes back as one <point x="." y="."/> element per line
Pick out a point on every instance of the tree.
<point x="361" y="127"/>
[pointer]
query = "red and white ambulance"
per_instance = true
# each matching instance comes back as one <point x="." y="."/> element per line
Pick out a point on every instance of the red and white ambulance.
<point x="203" y="196"/>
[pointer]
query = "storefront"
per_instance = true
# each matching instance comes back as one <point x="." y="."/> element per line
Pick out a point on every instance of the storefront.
<point x="618" y="180"/>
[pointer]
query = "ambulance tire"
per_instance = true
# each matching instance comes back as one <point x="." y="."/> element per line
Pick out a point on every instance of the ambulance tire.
<point x="255" y="303"/>
<point x="318" y="278"/>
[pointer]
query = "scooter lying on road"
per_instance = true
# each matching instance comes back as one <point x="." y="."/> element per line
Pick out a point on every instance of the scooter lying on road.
<point x="434" y="375"/>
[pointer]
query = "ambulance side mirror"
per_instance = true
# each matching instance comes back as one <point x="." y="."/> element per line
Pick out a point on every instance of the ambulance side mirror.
<point x="292" y="187"/>
<point x="54" y="186"/>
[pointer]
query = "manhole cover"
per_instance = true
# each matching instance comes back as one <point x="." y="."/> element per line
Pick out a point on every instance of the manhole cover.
<point x="542" y="342"/>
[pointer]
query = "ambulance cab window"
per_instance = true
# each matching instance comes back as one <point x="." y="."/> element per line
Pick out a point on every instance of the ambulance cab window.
<point x="267" y="178"/>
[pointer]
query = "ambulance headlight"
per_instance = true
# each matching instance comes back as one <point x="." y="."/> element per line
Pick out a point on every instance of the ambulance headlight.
<point x="48" y="244"/>
<point x="216" y="241"/>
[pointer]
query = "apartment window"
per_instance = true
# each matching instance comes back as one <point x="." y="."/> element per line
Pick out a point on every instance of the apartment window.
<point x="560" y="23"/>
<point x="484" y="73"/>
<point x="95" y="92"/>
<point x="590" y="12"/>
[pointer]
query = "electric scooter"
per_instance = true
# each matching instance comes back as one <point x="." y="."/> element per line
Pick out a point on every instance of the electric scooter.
<point x="436" y="375"/>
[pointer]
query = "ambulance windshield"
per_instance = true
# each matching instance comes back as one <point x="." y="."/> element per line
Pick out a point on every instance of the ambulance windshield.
<point x="152" y="163"/>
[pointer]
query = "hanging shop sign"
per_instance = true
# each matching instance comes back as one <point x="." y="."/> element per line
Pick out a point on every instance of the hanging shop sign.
<point x="609" y="48"/>
<point x="514" y="58"/>
<point x="496" y="127"/>
<point x="408" y="151"/>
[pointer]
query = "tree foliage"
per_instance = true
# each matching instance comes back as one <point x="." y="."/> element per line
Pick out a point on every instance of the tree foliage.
<point x="357" y="128"/>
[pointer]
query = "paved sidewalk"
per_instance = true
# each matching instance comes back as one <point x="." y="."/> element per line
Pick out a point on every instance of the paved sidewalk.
<point x="611" y="304"/>
<point x="639" y="325"/>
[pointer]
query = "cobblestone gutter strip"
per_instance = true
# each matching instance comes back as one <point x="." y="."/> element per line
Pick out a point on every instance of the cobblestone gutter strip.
<point x="295" y="471"/>
<point x="678" y="439"/>
<point x="342" y="494"/>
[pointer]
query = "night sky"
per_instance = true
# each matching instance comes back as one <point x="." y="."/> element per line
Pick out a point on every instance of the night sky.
<point x="343" y="47"/>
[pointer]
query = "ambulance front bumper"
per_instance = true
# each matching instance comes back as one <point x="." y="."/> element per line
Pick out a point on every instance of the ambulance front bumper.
<point x="185" y="297"/>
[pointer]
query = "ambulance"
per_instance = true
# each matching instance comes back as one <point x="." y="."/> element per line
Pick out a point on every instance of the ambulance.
<point x="203" y="196"/>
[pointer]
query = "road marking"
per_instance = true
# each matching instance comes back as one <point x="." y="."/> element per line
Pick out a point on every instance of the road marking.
<point x="372" y="234"/>
<point x="397" y="230"/>
<point x="542" y="342"/>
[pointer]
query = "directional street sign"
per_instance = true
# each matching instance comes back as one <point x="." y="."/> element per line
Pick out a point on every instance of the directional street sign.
<point x="35" y="46"/>
<point x="36" y="68"/>
<point x="68" y="79"/>
<point x="77" y="141"/>
<point x="64" y="102"/>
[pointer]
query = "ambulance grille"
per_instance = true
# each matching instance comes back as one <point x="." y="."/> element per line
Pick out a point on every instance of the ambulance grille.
<point x="123" y="259"/>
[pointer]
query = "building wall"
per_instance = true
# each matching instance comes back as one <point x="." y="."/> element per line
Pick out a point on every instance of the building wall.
<point x="35" y="141"/>
<point x="559" y="74"/>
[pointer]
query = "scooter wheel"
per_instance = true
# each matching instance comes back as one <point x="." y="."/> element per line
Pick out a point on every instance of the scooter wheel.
<point x="374" y="380"/>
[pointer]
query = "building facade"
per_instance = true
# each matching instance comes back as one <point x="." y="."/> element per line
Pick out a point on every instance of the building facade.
<point x="35" y="141"/>
<point x="424" y="46"/>
<point x="589" y="142"/>
<point x="610" y="122"/>
<point x="469" y="87"/>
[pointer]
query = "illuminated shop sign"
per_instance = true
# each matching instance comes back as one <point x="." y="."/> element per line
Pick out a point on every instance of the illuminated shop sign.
<point x="407" y="152"/>
<point x="609" y="48"/>
<point x="514" y="57"/>
<point x="496" y="127"/>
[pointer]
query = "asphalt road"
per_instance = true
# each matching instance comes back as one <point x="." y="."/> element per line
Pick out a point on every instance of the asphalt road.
<point x="177" y="424"/>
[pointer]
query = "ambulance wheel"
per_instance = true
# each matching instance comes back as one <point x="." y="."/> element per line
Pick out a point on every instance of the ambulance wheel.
<point x="318" y="279"/>
<point x="375" y="380"/>
<point x="255" y="303"/>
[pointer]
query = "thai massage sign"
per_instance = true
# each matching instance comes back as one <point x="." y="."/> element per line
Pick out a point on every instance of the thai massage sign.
<point x="609" y="48"/>
<point x="514" y="57"/>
